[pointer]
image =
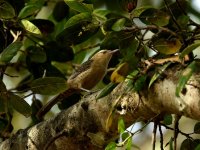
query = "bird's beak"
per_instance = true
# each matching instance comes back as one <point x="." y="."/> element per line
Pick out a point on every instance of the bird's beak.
<point x="113" y="51"/>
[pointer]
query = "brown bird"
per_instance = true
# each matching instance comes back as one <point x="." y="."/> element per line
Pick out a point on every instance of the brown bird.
<point x="83" y="79"/>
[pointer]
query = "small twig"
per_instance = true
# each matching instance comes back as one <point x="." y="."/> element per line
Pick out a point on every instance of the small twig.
<point x="27" y="95"/>
<point x="176" y="130"/>
<point x="174" y="20"/>
<point x="172" y="15"/>
<point x="154" y="135"/>
<point x="148" y="27"/>
<point x="161" y="137"/>
<point x="179" y="5"/>
<point x="185" y="134"/>
<point x="15" y="36"/>
<point x="10" y="75"/>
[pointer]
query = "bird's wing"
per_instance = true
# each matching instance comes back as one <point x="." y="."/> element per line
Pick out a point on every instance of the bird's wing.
<point x="81" y="69"/>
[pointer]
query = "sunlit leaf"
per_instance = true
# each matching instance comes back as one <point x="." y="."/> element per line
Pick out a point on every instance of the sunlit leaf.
<point x="101" y="14"/>
<point x="185" y="76"/>
<point x="48" y="85"/>
<point x="189" y="49"/>
<point x="111" y="146"/>
<point x="121" y="125"/>
<point x="166" y="46"/>
<point x="137" y="12"/>
<point x="171" y="144"/>
<point x="28" y="10"/>
<point x="30" y="27"/>
<point x="45" y="26"/>
<point x="6" y="10"/>
<point x="197" y="128"/>
<point x="106" y="90"/>
<point x="20" y="105"/>
<point x="120" y="73"/>
<point x="10" y="52"/>
<point x="119" y="24"/>
<point x="78" y="18"/>
<point x="129" y="144"/>
<point x="78" y="6"/>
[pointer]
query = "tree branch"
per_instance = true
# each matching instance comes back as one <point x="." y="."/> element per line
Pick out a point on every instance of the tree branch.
<point x="91" y="123"/>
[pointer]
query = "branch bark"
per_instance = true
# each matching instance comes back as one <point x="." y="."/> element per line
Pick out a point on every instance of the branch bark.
<point x="92" y="124"/>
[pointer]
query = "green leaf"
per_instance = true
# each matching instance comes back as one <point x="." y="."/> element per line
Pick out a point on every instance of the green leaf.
<point x="189" y="49"/>
<point x="6" y="10"/>
<point x="189" y="144"/>
<point x="119" y="24"/>
<point x="101" y="14"/>
<point x="157" y="74"/>
<point x="129" y="144"/>
<point x="10" y="52"/>
<point x="168" y="119"/>
<point x="36" y="54"/>
<point x="167" y="46"/>
<point x="30" y="27"/>
<point x="198" y="147"/>
<point x="128" y="48"/>
<point x="49" y="85"/>
<point x="78" y="6"/>
<point x="78" y="18"/>
<point x="111" y="146"/>
<point x="121" y="125"/>
<point x="106" y="90"/>
<point x="76" y="34"/>
<point x="155" y="16"/>
<point x="60" y="11"/>
<point x="186" y="74"/>
<point x="125" y="135"/>
<point x="171" y="144"/>
<point x="28" y="10"/>
<point x="197" y="128"/>
<point x="183" y="21"/>
<point x="137" y="12"/>
<point x="20" y="105"/>
<point x="139" y="83"/>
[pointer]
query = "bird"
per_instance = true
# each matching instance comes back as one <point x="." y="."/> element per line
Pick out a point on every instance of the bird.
<point x="88" y="75"/>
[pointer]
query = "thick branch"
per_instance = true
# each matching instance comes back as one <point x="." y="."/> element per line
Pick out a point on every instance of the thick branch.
<point x="91" y="123"/>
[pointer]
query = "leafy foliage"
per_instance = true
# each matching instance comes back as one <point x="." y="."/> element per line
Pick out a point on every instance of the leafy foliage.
<point x="47" y="47"/>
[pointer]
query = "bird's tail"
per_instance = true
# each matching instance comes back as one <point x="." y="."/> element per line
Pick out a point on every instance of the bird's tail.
<point x="54" y="101"/>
